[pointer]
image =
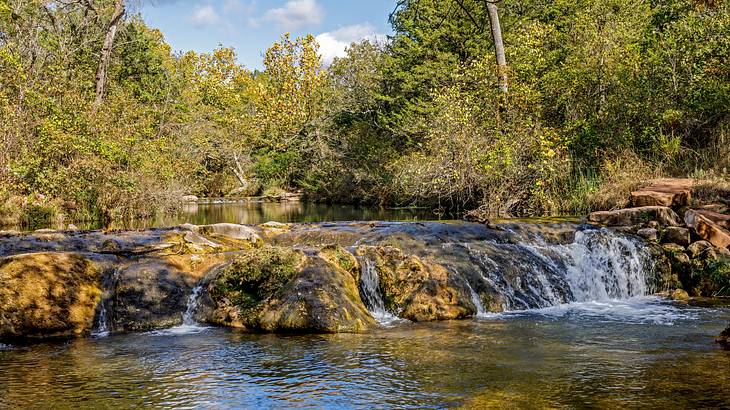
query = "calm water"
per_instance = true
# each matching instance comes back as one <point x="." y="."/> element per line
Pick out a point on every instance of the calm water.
<point x="256" y="212"/>
<point x="638" y="354"/>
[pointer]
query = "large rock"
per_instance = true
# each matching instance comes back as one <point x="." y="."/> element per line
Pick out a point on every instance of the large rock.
<point x="281" y="290"/>
<point x="676" y="234"/>
<point x="707" y="229"/>
<point x="416" y="289"/>
<point x="47" y="295"/>
<point x="716" y="217"/>
<point x="672" y="193"/>
<point x="724" y="339"/>
<point x="635" y="216"/>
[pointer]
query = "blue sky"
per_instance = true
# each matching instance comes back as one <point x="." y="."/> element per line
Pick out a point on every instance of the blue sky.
<point x="251" y="26"/>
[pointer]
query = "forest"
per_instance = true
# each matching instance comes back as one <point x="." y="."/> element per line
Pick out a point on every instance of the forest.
<point x="560" y="109"/>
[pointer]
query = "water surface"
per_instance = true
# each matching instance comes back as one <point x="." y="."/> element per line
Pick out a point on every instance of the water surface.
<point x="641" y="353"/>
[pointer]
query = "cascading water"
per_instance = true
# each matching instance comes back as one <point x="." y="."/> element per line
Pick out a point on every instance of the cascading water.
<point x="102" y="326"/>
<point x="192" y="306"/>
<point x="529" y="272"/>
<point x="481" y="312"/>
<point x="370" y="291"/>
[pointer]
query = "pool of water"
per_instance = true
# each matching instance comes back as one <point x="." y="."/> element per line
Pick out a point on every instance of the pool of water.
<point x="256" y="212"/>
<point x="641" y="353"/>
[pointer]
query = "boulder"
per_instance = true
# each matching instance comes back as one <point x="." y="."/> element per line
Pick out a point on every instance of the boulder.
<point x="724" y="339"/>
<point x="699" y="248"/>
<point x="48" y="295"/>
<point x="189" y="198"/>
<point x="635" y="216"/>
<point x="650" y="234"/>
<point x="674" y="193"/>
<point x="416" y="289"/>
<point x="277" y="289"/>
<point x="679" y="294"/>
<point x="676" y="234"/>
<point x="707" y="229"/>
<point x="231" y="231"/>
<point x="721" y="220"/>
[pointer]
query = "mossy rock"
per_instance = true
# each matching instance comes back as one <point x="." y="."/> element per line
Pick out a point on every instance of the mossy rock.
<point x="253" y="278"/>
<point x="418" y="289"/>
<point x="47" y="295"/>
<point x="343" y="259"/>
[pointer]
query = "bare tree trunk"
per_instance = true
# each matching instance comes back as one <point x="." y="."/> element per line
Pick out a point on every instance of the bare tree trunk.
<point x="106" y="50"/>
<point x="498" y="45"/>
<point x="239" y="172"/>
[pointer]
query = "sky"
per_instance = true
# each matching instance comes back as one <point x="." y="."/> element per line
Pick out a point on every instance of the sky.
<point x="251" y="26"/>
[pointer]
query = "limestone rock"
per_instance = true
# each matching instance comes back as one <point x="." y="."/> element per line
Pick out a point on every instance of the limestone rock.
<point x="650" y="234"/>
<point x="679" y="294"/>
<point x="721" y="220"/>
<point x="724" y="339"/>
<point x="232" y="231"/>
<point x="416" y="289"/>
<point x="670" y="193"/>
<point x="635" y="216"/>
<point x="707" y="229"/>
<point x="698" y="248"/>
<point x="189" y="198"/>
<point x="47" y="295"/>
<point x="676" y="234"/>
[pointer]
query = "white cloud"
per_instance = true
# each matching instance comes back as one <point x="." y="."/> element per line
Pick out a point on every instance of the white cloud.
<point x="204" y="16"/>
<point x="334" y="44"/>
<point x="296" y="14"/>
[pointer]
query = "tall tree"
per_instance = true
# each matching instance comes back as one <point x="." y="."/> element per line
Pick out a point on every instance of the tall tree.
<point x="106" y="49"/>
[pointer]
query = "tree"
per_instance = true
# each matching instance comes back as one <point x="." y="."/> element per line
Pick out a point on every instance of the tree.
<point x="106" y="49"/>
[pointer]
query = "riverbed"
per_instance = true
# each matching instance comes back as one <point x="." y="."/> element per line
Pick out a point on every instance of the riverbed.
<point x="641" y="353"/>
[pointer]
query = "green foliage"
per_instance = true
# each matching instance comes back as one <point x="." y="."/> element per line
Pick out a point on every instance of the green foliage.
<point x="256" y="276"/>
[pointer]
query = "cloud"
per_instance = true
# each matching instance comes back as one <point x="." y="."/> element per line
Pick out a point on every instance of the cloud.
<point x="204" y="16"/>
<point x="296" y="14"/>
<point x="334" y="44"/>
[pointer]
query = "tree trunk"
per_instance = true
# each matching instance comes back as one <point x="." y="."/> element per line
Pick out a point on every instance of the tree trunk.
<point x="106" y="50"/>
<point x="239" y="172"/>
<point x="498" y="45"/>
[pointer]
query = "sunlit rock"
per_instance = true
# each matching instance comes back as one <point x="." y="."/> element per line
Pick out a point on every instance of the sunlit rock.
<point x="634" y="216"/>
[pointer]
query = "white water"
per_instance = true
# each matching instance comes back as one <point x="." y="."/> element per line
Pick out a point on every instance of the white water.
<point x="481" y="312"/>
<point x="102" y="328"/>
<point x="189" y="325"/>
<point x="370" y="286"/>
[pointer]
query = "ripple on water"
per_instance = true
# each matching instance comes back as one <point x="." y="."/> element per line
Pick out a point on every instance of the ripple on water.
<point x="638" y="310"/>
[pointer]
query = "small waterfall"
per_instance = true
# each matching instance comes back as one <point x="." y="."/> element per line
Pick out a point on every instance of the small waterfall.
<point x="370" y="291"/>
<point x="192" y="307"/>
<point x="481" y="312"/>
<point x="102" y="325"/>
<point x="528" y="272"/>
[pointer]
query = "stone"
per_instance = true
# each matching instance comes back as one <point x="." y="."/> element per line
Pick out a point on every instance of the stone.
<point x="416" y="289"/>
<point x="707" y="229"/>
<point x="189" y="198"/>
<point x="275" y="225"/>
<point x="232" y="231"/>
<point x="72" y="227"/>
<point x="199" y="240"/>
<point x="48" y="295"/>
<point x="676" y="234"/>
<point x="721" y="220"/>
<point x="679" y="294"/>
<point x="674" y="193"/>
<point x="724" y="339"/>
<point x="650" y="234"/>
<point x="698" y="248"/>
<point x="635" y="216"/>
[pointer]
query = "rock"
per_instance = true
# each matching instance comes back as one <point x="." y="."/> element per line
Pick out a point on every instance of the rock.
<point x="189" y="198"/>
<point x="707" y="230"/>
<point x="721" y="220"/>
<point x="280" y="290"/>
<point x="321" y="298"/>
<point x="72" y="227"/>
<point x="276" y="225"/>
<point x="679" y="294"/>
<point x="724" y="339"/>
<point x="674" y="193"/>
<point x="675" y="234"/>
<point x="47" y="295"/>
<point x="650" y="234"/>
<point x="45" y="231"/>
<point x="416" y="289"/>
<point x="698" y="248"/>
<point x="199" y="240"/>
<point x="232" y="231"/>
<point x="635" y="216"/>
<point x="673" y="247"/>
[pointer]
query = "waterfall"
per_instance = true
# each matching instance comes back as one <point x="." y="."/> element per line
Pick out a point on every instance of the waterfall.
<point x="481" y="312"/>
<point x="102" y="326"/>
<point x="528" y="272"/>
<point x="192" y="307"/>
<point x="370" y="291"/>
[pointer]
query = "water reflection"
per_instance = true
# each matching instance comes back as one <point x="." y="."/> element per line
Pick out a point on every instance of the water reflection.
<point x="528" y="360"/>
